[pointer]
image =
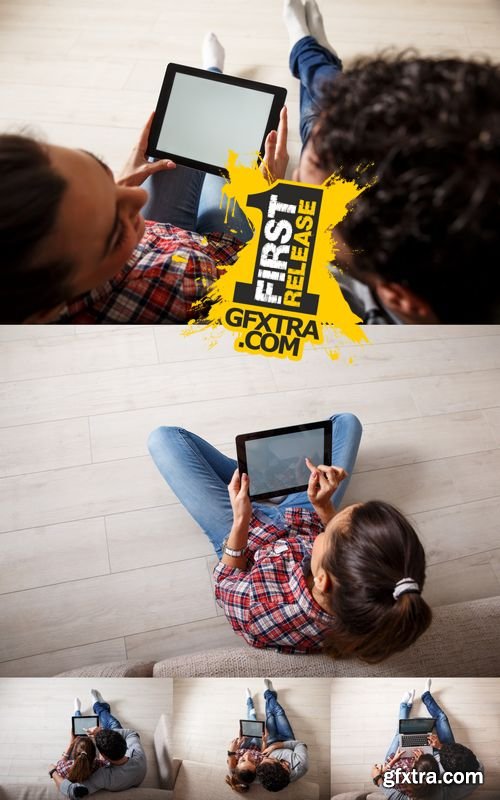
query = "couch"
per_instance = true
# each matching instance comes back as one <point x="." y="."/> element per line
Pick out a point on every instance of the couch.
<point x="177" y="780"/>
<point x="461" y="642"/>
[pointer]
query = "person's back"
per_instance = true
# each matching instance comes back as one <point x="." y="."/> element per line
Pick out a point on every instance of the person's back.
<point x="115" y="777"/>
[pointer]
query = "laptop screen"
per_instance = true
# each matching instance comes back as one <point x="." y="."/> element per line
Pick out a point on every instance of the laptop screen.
<point x="419" y="725"/>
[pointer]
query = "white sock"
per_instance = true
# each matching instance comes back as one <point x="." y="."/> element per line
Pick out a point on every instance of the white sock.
<point x="96" y="696"/>
<point x="316" y="25"/>
<point x="212" y="52"/>
<point x="428" y="685"/>
<point x="78" y="705"/>
<point x="294" y="14"/>
<point x="408" y="697"/>
<point x="268" y="684"/>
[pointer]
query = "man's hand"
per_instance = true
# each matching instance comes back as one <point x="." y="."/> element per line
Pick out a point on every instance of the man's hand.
<point x="323" y="482"/>
<point x="433" y="740"/>
<point x="51" y="766"/>
<point x="92" y="731"/>
<point x="272" y="747"/>
<point x="138" y="168"/>
<point x="275" y="159"/>
<point x="240" y="501"/>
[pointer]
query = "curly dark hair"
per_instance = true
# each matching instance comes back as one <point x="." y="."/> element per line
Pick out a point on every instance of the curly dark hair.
<point x="428" y="131"/>
<point x="273" y="776"/>
<point x="30" y="199"/>
<point x="111" y="744"/>
<point x="458" y="758"/>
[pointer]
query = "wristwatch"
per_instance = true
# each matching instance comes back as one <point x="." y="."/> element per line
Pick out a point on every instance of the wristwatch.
<point x="234" y="553"/>
<point x="51" y="771"/>
<point x="231" y="753"/>
<point x="377" y="778"/>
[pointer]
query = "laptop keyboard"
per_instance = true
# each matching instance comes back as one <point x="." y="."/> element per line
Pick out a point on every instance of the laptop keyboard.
<point x="414" y="740"/>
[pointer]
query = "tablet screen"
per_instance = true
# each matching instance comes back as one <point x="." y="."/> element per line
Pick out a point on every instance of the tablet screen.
<point x="276" y="463"/>
<point x="206" y="119"/>
<point x="80" y="724"/>
<point x="250" y="727"/>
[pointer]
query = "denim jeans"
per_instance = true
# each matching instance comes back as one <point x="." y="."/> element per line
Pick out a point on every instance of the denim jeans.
<point x="313" y="65"/>
<point x="106" y="718"/>
<point x="250" y="714"/>
<point x="442" y="725"/>
<point x="199" y="474"/>
<point x="277" y="725"/>
<point x="191" y="199"/>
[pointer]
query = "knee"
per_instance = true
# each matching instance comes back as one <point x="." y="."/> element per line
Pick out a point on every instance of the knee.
<point x="161" y="439"/>
<point x="349" y="422"/>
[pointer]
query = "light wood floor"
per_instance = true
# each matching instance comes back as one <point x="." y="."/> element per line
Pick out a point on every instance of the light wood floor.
<point x="200" y="702"/>
<point x="87" y="74"/>
<point x="364" y="719"/>
<point x="99" y="562"/>
<point x="36" y="719"/>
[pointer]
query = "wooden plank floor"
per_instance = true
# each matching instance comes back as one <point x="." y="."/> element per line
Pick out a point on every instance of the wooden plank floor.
<point x="364" y="718"/>
<point x="88" y="527"/>
<point x="199" y="702"/>
<point x="87" y="74"/>
<point x="36" y="715"/>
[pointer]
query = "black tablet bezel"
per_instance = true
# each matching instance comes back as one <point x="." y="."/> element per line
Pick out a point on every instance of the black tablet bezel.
<point x="94" y="717"/>
<point x="252" y="736"/>
<point x="279" y="96"/>
<point x="245" y="437"/>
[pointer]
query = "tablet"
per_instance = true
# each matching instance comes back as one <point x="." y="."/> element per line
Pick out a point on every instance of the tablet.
<point x="274" y="460"/>
<point x="79" y="725"/>
<point x="252" y="728"/>
<point x="201" y="116"/>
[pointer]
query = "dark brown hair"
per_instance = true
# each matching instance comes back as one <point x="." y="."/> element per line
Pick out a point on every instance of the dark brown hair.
<point x="428" y="129"/>
<point x="377" y="548"/>
<point x="83" y="754"/>
<point x="236" y="785"/>
<point x="426" y="765"/>
<point x="29" y="203"/>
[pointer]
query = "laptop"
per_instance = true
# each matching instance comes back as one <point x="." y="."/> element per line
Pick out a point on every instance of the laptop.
<point x="413" y="734"/>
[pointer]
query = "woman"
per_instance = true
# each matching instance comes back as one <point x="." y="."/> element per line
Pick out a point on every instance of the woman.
<point x="75" y="247"/>
<point x="80" y="760"/>
<point x="298" y="575"/>
<point x="245" y="754"/>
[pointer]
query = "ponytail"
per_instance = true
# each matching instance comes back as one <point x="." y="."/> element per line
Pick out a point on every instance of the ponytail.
<point x="235" y="785"/>
<point x="377" y="569"/>
<point x="84" y="754"/>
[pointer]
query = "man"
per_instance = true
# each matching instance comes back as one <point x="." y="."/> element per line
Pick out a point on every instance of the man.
<point x="419" y="245"/>
<point x="120" y="746"/>
<point x="285" y="758"/>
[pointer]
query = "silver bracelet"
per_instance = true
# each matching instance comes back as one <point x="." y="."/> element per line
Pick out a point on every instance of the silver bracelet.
<point x="234" y="553"/>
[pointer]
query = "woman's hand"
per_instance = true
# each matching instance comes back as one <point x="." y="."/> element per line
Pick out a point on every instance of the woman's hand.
<point x="138" y="168"/>
<point x="397" y="755"/>
<point x="240" y="501"/>
<point x="276" y="157"/>
<point x="377" y="769"/>
<point x="323" y="482"/>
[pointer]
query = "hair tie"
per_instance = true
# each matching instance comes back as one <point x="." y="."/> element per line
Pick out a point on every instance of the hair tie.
<point x="406" y="586"/>
<point x="83" y="753"/>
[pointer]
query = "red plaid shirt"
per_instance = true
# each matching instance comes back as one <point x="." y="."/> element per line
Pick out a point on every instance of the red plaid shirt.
<point x="64" y="765"/>
<point x="270" y="604"/>
<point x="168" y="271"/>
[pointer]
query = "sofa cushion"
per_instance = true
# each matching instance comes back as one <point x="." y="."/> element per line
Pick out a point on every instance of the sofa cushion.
<point x="167" y="767"/>
<point x="32" y="791"/>
<point x="459" y="643"/>
<point x="196" y="781"/>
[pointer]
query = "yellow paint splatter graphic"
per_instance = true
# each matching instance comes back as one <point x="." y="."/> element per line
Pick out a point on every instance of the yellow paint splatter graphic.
<point x="280" y="294"/>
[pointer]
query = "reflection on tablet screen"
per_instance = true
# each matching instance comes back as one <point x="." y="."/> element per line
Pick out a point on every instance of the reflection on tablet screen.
<point x="227" y="117"/>
<point x="278" y="462"/>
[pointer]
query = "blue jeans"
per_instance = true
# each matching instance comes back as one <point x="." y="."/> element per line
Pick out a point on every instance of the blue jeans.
<point x="191" y="199"/>
<point x="277" y="725"/>
<point x="442" y="725"/>
<point x="106" y="718"/>
<point x="251" y="714"/>
<point x="199" y="474"/>
<point x="313" y="65"/>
